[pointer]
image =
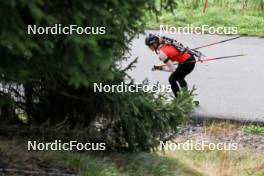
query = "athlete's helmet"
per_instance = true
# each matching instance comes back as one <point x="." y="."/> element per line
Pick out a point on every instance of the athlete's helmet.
<point x="151" y="39"/>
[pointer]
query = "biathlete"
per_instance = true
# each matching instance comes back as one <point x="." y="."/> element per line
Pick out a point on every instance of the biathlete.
<point x="169" y="53"/>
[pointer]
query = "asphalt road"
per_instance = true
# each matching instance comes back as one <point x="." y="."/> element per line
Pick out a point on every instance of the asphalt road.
<point x="230" y="88"/>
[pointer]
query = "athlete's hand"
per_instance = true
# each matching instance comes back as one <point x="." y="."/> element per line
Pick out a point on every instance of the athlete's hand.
<point x="156" y="67"/>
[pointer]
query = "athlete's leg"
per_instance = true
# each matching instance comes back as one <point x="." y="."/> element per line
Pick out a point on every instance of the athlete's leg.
<point x="183" y="70"/>
<point x="173" y="82"/>
<point x="179" y="75"/>
<point x="182" y="82"/>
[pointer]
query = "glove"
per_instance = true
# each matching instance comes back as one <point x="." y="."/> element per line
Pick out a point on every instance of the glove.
<point x="155" y="67"/>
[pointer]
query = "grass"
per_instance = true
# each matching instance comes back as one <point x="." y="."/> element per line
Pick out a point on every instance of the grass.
<point x="254" y="129"/>
<point x="85" y="165"/>
<point x="140" y="164"/>
<point x="222" y="163"/>
<point x="155" y="165"/>
<point x="13" y="154"/>
<point x="224" y="127"/>
<point x="248" y="21"/>
<point x="241" y="162"/>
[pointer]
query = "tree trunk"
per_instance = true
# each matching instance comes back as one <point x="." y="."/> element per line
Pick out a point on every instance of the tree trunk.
<point x="205" y="6"/>
<point x="29" y="100"/>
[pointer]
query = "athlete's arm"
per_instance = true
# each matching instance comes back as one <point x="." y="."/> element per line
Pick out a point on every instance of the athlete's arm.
<point x="169" y="66"/>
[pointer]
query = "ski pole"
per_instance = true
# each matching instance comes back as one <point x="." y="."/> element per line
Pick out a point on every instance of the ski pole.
<point x="215" y="43"/>
<point x="205" y="60"/>
<point x="217" y="58"/>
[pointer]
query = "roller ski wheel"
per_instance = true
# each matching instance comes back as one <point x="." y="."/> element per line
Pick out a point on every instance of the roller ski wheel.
<point x="196" y="102"/>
